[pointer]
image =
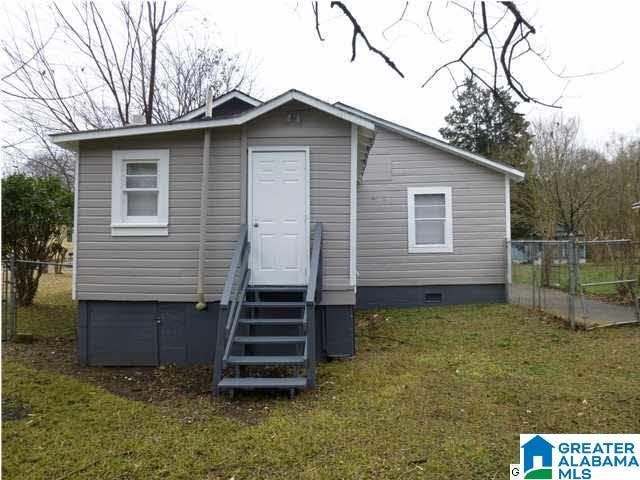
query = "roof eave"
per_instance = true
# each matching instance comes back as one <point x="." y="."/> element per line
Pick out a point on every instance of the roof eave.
<point x="63" y="138"/>
<point x="512" y="173"/>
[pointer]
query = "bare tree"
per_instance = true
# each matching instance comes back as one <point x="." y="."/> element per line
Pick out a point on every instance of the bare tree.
<point x="188" y="72"/>
<point x="614" y="217"/>
<point x="99" y="67"/>
<point x="501" y="40"/>
<point x="567" y="178"/>
<point x="109" y="75"/>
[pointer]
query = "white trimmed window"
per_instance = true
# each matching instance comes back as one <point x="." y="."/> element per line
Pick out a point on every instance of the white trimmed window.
<point x="430" y="219"/>
<point x="140" y="193"/>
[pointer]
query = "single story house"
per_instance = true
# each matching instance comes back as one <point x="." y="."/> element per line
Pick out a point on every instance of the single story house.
<point x="245" y="233"/>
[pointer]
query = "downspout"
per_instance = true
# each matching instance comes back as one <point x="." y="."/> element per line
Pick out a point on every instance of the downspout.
<point x="204" y="197"/>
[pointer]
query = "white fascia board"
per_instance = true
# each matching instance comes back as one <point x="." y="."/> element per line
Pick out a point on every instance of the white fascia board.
<point x="217" y="102"/>
<point x="63" y="138"/>
<point x="513" y="173"/>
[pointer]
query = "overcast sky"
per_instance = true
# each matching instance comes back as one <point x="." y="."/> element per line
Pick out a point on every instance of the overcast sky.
<point x="280" y="38"/>
<point x="580" y="36"/>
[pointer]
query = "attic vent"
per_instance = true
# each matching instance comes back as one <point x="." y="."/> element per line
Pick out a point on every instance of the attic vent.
<point x="432" y="298"/>
<point x="294" y="117"/>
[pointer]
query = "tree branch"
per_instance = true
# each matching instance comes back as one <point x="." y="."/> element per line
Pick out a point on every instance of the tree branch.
<point x="357" y="30"/>
<point x="314" y="6"/>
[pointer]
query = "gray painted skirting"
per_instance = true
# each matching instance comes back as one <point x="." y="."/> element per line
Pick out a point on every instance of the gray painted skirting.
<point x="158" y="333"/>
<point x="429" y="295"/>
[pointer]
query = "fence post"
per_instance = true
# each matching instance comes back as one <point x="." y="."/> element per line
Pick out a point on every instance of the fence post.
<point x="507" y="280"/>
<point x="573" y="276"/>
<point x="534" y="255"/>
<point x="13" y="304"/>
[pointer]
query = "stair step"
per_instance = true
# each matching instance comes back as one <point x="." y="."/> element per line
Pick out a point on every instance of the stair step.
<point x="276" y="288"/>
<point x="271" y="321"/>
<point x="262" y="382"/>
<point x="266" y="339"/>
<point x="266" y="360"/>
<point x="275" y="304"/>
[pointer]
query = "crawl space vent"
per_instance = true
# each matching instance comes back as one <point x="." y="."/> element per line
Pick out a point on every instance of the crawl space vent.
<point x="432" y="298"/>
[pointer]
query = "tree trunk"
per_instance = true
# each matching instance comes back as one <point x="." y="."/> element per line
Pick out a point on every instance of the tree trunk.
<point x="27" y="280"/>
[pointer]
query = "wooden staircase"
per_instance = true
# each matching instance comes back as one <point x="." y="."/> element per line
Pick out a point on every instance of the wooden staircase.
<point x="267" y="334"/>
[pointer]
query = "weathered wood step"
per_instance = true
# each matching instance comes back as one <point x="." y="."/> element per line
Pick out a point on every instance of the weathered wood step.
<point x="270" y="339"/>
<point x="266" y="360"/>
<point x="271" y="321"/>
<point x="262" y="382"/>
<point x="263" y="304"/>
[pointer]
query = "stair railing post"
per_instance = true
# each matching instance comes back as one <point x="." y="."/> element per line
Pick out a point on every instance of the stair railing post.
<point x="220" y="344"/>
<point x="311" y="349"/>
<point x="312" y="299"/>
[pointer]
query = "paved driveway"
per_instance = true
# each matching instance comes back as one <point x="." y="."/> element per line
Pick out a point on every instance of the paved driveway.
<point x="589" y="312"/>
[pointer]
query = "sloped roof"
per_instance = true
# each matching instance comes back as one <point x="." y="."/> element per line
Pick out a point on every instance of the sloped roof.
<point x="190" y="121"/>
<point x="292" y="95"/>
<point x="513" y="173"/>
<point x="222" y="99"/>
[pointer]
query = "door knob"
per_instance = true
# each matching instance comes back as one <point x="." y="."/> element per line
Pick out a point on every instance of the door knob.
<point x="255" y="225"/>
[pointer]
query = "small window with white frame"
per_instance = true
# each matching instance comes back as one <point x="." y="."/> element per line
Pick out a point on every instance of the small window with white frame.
<point x="140" y="193"/>
<point x="430" y="219"/>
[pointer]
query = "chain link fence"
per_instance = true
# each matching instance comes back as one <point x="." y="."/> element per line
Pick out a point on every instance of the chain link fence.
<point x="589" y="283"/>
<point x="36" y="299"/>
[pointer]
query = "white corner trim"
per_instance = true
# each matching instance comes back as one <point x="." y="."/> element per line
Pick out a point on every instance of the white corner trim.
<point x="447" y="247"/>
<point x="74" y="240"/>
<point x="353" y="207"/>
<point x="63" y="138"/>
<point x="143" y="226"/>
<point x="507" y="207"/>
<point x="217" y="102"/>
<point x="515" y="174"/>
<point x="507" y="227"/>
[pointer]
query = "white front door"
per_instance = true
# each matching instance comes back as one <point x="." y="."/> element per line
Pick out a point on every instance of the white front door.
<point x="278" y="216"/>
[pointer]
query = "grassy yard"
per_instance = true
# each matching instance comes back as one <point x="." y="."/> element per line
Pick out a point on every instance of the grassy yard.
<point x="52" y="313"/>
<point x="433" y="393"/>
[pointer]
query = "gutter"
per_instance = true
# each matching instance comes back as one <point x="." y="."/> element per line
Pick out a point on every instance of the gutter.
<point x="204" y="197"/>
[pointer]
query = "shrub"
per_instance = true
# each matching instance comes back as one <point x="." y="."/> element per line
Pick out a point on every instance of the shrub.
<point x="35" y="214"/>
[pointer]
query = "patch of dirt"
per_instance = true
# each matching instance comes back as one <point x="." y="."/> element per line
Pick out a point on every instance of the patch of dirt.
<point x="14" y="409"/>
<point x="171" y="385"/>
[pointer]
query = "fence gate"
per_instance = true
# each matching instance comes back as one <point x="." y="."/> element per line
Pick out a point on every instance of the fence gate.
<point x="590" y="283"/>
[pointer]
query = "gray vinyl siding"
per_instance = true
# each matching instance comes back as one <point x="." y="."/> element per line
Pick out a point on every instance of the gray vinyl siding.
<point x="138" y="268"/>
<point x="478" y="197"/>
<point x="165" y="268"/>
